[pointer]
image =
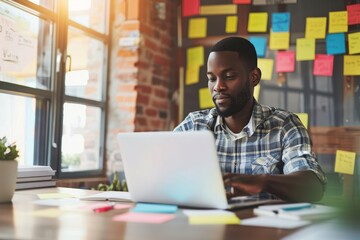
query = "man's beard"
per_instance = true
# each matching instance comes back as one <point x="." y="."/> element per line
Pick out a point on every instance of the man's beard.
<point x="237" y="103"/>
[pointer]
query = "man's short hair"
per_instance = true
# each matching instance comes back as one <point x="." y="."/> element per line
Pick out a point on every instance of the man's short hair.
<point x="242" y="46"/>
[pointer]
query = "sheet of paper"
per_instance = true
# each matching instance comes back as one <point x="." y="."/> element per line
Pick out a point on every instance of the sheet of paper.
<point x="195" y="56"/>
<point x="273" y="222"/>
<point x="304" y="118"/>
<point x="351" y="65"/>
<point x="285" y="61"/>
<point x="279" y="40"/>
<point x="108" y="195"/>
<point x="190" y="7"/>
<point x="144" y="217"/>
<point x="354" y="42"/>
<point x="197" y="28"/>
<point x="205" y="99"/>
<point x="54" y="195"/>
<point x="211" y="217"/>
<point x="231" y="24"/>
<point x="257" y="22"/>
<point x="323" y="65"/>
<point x="155" y="208"/>
<point x="259" y="44"/>
<point x="305" y="49"/>
<point x="335" y="43"/>
<point x="266" y="66"/>
<point x="220" y="9"/>
<point x="315" y="27"/>
<point x="353" y="13"/>
<point x="280" y="22"/>
<point x="345" y="162"/>
<point x="192" y="75"/>
<point x="338" y="22"/>
<point x="58" y="202"/>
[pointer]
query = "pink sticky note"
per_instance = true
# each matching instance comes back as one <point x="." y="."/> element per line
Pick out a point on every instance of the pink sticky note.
<point x="241" y="1"/>
<point x="353" y="13"/>
<point x="143" y="217"/>
<point x="190" y="7"/>
<point x="285" y="61"/>
<point x="323" y="65"/>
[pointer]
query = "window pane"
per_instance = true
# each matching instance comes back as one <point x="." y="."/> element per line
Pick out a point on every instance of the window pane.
<point x="49" y="4"/>
<point x="81" y="138"/>
<point x="25" y="48"/>
<point x="90" y="13"/>
<point x="86" y="76"/>
<point x="17" y="123"/>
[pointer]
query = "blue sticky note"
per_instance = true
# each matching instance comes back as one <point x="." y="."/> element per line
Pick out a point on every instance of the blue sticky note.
<point x="335" y="43"/>
<point x="280" y="22"/>
<point x="259" y="44"/>
<point x="154" y="208"/>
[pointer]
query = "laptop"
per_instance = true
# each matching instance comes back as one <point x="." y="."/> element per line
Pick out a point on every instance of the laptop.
<point x="179" y="168"/>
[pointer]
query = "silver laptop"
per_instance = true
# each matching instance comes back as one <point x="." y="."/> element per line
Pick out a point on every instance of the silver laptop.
<point x="178" y="168"/>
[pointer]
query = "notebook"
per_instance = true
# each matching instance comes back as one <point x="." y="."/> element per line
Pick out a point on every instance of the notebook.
<point x="178" y="168"/>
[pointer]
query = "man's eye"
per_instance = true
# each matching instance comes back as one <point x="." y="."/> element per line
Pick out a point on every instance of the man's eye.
<point x="230" y="77"/>
<point x="211" y="79"/>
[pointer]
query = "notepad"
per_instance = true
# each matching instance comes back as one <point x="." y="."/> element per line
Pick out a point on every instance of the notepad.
<point x="115" y="196"/>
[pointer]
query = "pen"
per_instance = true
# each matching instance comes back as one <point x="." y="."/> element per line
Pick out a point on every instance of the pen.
<point x="297" y="207"/>
<point x="103" y="209"/>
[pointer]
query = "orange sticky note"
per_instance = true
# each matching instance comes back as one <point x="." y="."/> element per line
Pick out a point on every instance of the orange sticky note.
<point x="305" y="49"/>
<point x="345" y="162"/>
<point x="315" y="27"/>
<point x="354" y="42"/>
<point x="338" y="22"/>
<point x="323" y="65"/>
<point x="258" y="22"/>
<point x="285" y="61"/>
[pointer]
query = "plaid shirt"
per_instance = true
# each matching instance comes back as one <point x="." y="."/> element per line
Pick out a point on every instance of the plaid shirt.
<point x="274" y="142"/>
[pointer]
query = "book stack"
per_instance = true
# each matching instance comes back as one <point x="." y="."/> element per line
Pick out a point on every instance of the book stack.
<point x="35" y="177"/>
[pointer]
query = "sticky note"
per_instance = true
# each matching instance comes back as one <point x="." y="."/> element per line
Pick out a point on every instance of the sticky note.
<point x="195" y="56"/>
<point x="352" y="65"/>
<point x="279" y="40"/>
<point x="345" y="162"/>
<point x="338" y="22"/>
<point x="211" y="217"/>
<point x="220" y="9"/>
<point x="242" y="1"/>
<point x="335" y="43"/>
<point x="354" y="42"/>
<point x="259" y="44"/>
<point x="54" y="195"/>
<point x="315" y="27"/>
<point x="305" y="49"/>
<point x="231" y="24"/>
<point x="257" y="22"/>
<point x="285" y="61"/>
<point x="205" y="99"/>
<point x="192" y="75"/>
<point x="257" y="92"/>
<point x="280" y="22"/>
<point x="266" y="67"/>
<point x="155" y="208"/>
<point x="144" y="217"/>
<point x="323" y="65"/>
<point x="197" y="28"/>
<point x="190" y="7"/>
<point x="304" y="118"/>
<point x="353" y="11"/>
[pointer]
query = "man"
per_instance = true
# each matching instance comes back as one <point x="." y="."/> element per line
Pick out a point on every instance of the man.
<point x="262" y="150"/>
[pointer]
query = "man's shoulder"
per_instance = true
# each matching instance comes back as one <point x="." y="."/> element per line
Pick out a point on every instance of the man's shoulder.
<point x="268" y="112"/>
<point x="203" y="115"/>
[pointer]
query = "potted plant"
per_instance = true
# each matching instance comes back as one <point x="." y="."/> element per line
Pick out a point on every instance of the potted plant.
<point x="8" y="170"/>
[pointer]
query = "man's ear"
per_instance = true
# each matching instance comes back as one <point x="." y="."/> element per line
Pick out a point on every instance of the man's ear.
<point x="255" y="76"/>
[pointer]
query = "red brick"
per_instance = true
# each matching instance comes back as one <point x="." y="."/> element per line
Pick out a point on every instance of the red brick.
<point x="160" y="93"/>
<point x="161" y="104"/>
<point x="150" y="112"/>
<point x="143" y="99"/>
<point x="146" y="30"/>
<point x="128" y="99"/>
<point x="150" y="44"/>
<point x="143" y="89"/>
<point x="161" y="60"/>
<point x="155" y="124"/>
<point x="127" y="87"/>
<point x="141" y="121"/>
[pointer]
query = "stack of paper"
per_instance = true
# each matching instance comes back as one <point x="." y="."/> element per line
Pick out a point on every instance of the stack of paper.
<point x="35" y="177"/>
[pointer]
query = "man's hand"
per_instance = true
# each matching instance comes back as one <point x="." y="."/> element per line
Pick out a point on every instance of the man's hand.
<point x="243" y="184"/>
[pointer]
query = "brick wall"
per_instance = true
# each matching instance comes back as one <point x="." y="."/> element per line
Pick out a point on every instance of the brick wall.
<point x="143" y="71"/>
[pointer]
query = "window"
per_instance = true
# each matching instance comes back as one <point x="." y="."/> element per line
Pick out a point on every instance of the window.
<point x="53" y="71"/>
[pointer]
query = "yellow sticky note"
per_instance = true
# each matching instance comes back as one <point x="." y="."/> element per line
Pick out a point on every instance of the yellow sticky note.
<point x="338" y="22"/>
<point x="214" y="219"/>
<point x="54" y="195"/>
<point x="305" y="49"/>
<point x="205" y="99"/>
<point x="352" y="65"/>
<point x="257" y="92"/>
<point x="345" y="162"/>
<point x="279" y="40"/>
<point x="315" y="27"/>
<point x="192" y="75"/>
<point x="266" y="67"/>
<point x="195" y="56"/>
<point x="258" y="22"/>
<point x="219" y="9"/>
<point x="48" y="213"/>
<point x="304" y="118"/>
<point x="354" y="42"/>
<point x="231" y="24"/>
<point x="197" y="28"/>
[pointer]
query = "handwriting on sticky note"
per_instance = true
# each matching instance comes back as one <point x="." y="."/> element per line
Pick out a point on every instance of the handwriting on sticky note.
<point x="279" y="40"/>
<point x="345" y="162"/>
<point x="144" y="217"/>
<point x="352" y="65"/>
<point x="197" y="28"/>
<point x="305" y="49"/>
<point x="257" y="22"/>
<point x="323" y="65"/>
<point x="354" y="42"/>
<point x="353" y="13"/>
<point x="338" y="21"/>
<point x="335" y="43"/>
<point x="315" y="27"/>
<point x="285" y="61"/>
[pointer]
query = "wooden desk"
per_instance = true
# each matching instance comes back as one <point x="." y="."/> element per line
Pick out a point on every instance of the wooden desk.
<point x="17" y="221"/>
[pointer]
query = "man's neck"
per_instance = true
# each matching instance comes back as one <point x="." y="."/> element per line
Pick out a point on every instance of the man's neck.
<point x="239" y="120"/>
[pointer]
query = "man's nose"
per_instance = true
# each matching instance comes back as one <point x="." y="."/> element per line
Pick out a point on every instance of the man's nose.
<point x="219" y="85"/>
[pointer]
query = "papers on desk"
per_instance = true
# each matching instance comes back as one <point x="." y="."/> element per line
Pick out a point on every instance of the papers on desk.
<point x="115" y="196"/>
<point x="35" y="177"/>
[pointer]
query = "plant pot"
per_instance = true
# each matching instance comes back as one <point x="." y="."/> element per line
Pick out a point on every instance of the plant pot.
<point x="8" y="175"/>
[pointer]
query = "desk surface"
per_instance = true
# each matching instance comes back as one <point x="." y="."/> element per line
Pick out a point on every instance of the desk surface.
<point x="17" y="221"/>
